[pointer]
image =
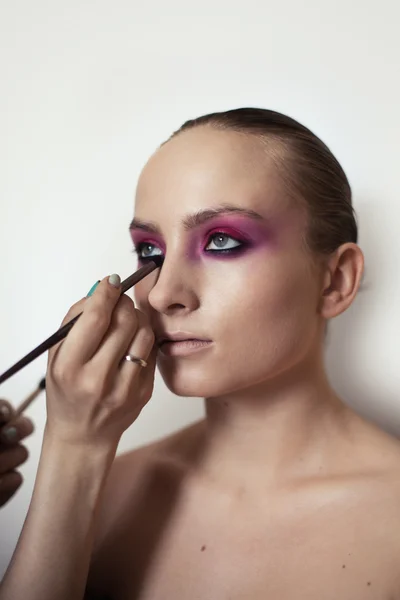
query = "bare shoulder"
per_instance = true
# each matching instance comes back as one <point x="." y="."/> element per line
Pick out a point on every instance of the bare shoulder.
<point x="375" y="450"/>
<point x="367" y="459"/>
<point x="152" y="471"/>
<point x="356" y="506"/>
<point x="133" y="472"/>
<point x="368" y="479"/>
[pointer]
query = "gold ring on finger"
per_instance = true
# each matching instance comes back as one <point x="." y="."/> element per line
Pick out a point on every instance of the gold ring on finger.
<point x="136" y="359"/>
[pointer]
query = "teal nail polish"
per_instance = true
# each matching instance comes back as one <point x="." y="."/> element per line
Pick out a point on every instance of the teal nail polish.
<point x="91" y="291"/>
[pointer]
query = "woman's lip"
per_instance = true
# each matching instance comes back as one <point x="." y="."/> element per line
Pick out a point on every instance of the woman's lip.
<point x="182" y="347"/>
<point x="171" y="341"/>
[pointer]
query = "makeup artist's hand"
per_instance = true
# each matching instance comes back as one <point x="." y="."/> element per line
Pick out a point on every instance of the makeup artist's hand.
<point x="12" y="453"/>
<point x="92" y="394"/>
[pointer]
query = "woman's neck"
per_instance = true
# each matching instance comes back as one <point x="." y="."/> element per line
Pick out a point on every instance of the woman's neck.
<point x="272" y="433"/>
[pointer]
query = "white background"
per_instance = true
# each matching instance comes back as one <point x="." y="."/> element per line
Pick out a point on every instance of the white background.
<point x="89" y="89"/>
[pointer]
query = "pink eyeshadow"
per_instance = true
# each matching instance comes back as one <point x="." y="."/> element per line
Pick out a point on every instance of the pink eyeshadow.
<point x="244" y="229"/>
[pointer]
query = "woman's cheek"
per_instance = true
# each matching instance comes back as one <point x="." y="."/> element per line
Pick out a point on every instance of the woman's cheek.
<point x="140" y="294"/>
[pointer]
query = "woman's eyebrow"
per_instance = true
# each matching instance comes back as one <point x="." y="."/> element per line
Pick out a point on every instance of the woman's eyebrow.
<point x="197" y="218"/>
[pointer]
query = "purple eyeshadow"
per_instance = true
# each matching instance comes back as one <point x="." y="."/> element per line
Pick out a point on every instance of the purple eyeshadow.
<point x="249" y="233"/>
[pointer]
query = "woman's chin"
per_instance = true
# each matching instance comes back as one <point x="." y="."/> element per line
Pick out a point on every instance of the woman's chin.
<point x="190" y="385"/>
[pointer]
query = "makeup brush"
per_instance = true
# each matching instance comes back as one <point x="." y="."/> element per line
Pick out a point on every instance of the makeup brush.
<point x="155" y="263"/>
<point x="28" y="400"/>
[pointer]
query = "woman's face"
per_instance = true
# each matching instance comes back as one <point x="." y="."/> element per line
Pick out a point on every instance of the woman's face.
<point x="240" y="278"/>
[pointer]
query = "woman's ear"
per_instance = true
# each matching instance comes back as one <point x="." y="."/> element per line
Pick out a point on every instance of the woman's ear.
<point x="341" y="280"/>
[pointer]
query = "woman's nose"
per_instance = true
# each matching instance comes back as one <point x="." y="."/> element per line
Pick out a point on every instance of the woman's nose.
<point x="175" y="288"/>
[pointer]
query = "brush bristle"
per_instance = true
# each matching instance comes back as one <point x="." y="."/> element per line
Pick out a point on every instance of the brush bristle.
<point x="42" y="384"/>
<point x="158" y="260"/>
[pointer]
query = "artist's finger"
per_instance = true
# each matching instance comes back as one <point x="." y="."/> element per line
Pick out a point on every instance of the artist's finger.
<point x="114" y="346"/>
<point x="10" y="458"/>
<point x="6" y="411"/>
<point x="9" y="484"/>
<point x="147" y="376"/>
<point x="141" y="347"/>
<point x="86" y="335"/>
<point x="152" y="358"/>
<point x="17" y="430"/>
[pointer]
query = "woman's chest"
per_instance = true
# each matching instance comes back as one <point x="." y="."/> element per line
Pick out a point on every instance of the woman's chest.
<point x="237" y="555"/>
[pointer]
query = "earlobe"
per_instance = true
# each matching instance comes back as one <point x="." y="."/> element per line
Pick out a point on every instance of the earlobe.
<point x="332" y="305"/>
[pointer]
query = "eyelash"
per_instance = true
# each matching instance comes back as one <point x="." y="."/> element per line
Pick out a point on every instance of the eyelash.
<point x="137" y="249"/>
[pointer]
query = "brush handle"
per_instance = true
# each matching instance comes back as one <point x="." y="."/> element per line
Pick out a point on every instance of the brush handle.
<point x="51" y="341"/>
<point x="24" y="405"/>
<point x="63" y="331"/>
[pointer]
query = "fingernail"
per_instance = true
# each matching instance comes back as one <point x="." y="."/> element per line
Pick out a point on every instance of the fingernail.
<point x="10" y="433"/>
<point x="114" y="280"/>
<point x="4" y="412"/>
<point x="91" y="291"/>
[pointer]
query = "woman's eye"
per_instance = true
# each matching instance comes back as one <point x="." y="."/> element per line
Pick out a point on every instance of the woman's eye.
<point x="219" y="240"/>
<point x="143" y="250"/>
